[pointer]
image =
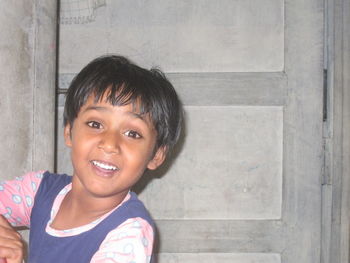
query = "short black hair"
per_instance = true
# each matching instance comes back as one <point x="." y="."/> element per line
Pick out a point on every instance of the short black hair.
<point x="128" y="83"/>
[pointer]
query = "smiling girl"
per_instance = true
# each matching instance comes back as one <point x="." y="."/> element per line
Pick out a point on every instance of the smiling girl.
<point x="120" y="120"/>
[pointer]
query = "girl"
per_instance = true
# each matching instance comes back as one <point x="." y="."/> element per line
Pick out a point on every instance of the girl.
<point x="119" y="120"/>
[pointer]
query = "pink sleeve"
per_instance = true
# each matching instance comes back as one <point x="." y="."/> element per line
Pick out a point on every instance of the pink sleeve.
<point x="132" y="241"/>
<point x="17" y="198"/>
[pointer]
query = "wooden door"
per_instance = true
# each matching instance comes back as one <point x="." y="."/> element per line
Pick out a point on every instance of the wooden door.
<point x="245" y="185"/>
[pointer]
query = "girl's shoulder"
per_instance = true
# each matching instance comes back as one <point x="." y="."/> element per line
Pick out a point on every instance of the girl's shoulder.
<point x="131" y="241"/>
<point x="52" y="181"/>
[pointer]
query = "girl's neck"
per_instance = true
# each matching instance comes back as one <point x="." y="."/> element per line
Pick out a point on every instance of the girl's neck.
<point x="78" y="209"/>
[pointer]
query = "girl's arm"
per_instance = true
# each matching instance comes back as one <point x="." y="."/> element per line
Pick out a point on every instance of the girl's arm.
<point x="132" y="241"/>
<point x="17" y="198"/>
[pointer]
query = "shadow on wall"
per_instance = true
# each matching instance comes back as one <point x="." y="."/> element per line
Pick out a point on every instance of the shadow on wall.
<point x="164" y="168"/>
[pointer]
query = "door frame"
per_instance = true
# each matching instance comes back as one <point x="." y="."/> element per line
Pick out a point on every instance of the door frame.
<point x="336" y="186"/>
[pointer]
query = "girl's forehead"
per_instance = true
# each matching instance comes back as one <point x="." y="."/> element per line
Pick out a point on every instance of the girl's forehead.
<point x="106" y="99"/>
<point x="133" y="107"/>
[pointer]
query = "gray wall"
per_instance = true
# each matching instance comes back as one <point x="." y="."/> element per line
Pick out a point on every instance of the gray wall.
<point x="27" y="84"/>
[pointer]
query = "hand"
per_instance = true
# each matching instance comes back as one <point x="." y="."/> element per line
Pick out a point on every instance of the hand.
<point x="11" y="244"/>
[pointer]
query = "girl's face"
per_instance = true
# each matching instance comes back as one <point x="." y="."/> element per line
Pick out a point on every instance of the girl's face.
<point x="111" y="146"/>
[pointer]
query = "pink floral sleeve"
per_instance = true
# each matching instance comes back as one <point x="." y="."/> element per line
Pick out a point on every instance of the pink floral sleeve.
<point x="17" y="198"/>
<point x="132" y="241"/>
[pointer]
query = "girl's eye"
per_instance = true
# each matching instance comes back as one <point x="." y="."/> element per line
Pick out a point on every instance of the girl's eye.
<point x="133" y="134"/>
<point x="94" y="124"/>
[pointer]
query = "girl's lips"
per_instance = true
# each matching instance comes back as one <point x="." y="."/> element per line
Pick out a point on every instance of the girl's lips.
<point x="104" y="169"/>
<point x="104" y="165"/>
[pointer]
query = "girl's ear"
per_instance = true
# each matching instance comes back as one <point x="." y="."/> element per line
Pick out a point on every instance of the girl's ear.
<point x="67" y="135"/>
<point x="157" y="159"/>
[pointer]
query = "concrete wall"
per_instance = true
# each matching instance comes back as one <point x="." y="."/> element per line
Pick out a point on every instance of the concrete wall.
<point x="27" y="85"/>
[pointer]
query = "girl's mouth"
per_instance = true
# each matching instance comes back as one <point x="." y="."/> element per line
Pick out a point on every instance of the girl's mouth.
<point x="105" y="166"/>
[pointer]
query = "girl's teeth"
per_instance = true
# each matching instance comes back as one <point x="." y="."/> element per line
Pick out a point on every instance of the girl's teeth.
<point x="104" y="166"/>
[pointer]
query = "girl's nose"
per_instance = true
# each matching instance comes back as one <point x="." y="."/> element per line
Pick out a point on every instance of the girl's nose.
<point x="110" y="143"/>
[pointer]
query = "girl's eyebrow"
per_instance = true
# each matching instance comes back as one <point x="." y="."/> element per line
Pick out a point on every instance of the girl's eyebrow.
<point x="136" y="115"/>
